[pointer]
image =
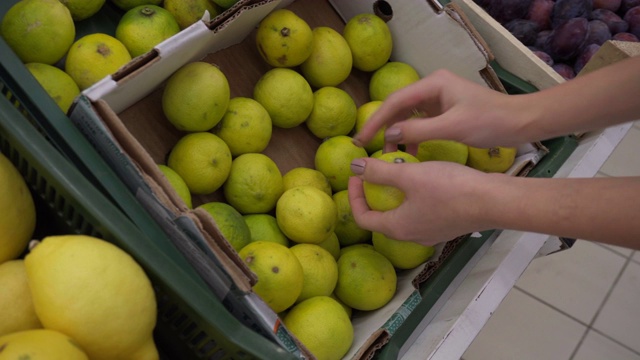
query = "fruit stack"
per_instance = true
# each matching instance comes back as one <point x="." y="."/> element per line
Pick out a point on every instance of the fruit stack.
<point x="294" y="229"/>
<point x="43" y="35"/>
<point x="567" y="33"/>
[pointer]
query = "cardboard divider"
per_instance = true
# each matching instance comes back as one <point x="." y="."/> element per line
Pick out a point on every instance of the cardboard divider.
<point x="123" y="118"/>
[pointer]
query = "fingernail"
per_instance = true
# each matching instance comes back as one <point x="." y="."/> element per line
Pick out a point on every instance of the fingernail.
<point x="393" y="134"/>
<point x="356" y="142"/>
<point x="357" y="166"/>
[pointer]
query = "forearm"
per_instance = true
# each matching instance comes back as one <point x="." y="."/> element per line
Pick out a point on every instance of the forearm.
<point x="596" y="100"/>
<point x="599" y="209"/>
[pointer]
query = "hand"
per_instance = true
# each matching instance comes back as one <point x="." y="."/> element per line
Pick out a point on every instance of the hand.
<point x="455" y="108"/>
<point x="441" y="199"/>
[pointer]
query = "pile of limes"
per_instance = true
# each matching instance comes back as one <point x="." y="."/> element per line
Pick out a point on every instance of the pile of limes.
<point x="43" y="35"/>
<point x="295" y="230"/>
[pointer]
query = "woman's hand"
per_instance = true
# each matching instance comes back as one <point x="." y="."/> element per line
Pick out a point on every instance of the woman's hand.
<point x="442" y="200"/>
<point x="451" y="108"/>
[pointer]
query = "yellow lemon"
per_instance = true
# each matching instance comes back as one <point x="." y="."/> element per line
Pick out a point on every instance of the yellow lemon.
<point x="202" y="160"/>
<point x="366" y="279"/>
<point x="333" y="113"/>
<point x="264" y="227"/>
<point x="94" y="57"/>
<point x="496" y="159"/>
<point x="40" y="344"/>
<point x="83" y="9"/>
<point x="230" y="223"/>
<point x="254" y="184"/>
<point x="306" y="176"/>
<point x="286" y="95"/>
<point x="284" y="39"/>
<point x="319" y="269"/>
<point x="196" y="97"/>
<point x="245" y="127"/>
<point x="347" y="231"/>
<point x="143" y="27"/>
<point x="130" y="4"/>
<point x="333" y="158"/>
<point x="18" y="220"/>
<point x="392" y="76"/>
<point x="95" y="293"/>
<point x="330" y="61"/>
<point x="385" y="197"/>
<point x="443" y="150"/>
<point x="178" y="184"/>
<point x="332" y="245"/>
<point x="364" y="113"/>
<point x="188" y="12"/>
<point x="38" y="30"/>
<point x="370" y="41"/>
<point x="402" y="254"/>
<point x="306" y="214"/>
<point x="16" y="306"/>
<point x="279" y="272"/>
<point x="322" y="325"/>
<point x="57" y="83"/>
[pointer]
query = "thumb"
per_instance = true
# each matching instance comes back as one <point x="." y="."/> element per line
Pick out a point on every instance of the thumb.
<point x="376" y="171"/>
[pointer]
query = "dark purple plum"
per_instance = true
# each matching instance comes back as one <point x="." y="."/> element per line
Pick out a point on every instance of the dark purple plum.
<point x="541" y="40"/>
<point x="524" y="30"/>
<point x="565" y="70"/>
<point x="626" y="5"/>
<point x="584" y="56"/>
<point x="565" y="42"/>
<point x="625" y="36"/>
<point x="504" y="11"/>
<point x="540" y="13"/>
<point x="612" y="5"/>
<point x="482" y="3"/>
<point x="597" y="33"/>
<point x="613" y="20"/>
<point x="544" y="57"/>
<point x="632" y="17"/>
<point x="564" y="10"/>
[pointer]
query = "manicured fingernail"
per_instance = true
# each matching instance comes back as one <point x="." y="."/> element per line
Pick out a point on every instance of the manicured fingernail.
<point x="356" y="142"/>
<point x="357" y="166"/>
<point x="393" y="134"/>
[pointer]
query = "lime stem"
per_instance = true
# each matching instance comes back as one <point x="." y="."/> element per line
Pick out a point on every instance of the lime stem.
<point x="285" y="31"/>
<point x="147" y="11"/>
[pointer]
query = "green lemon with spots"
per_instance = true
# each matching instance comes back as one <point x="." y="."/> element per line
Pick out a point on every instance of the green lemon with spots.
<point x="230" y="223"/>
<point x="280" y="276"/>
<point x="386" y="197"/>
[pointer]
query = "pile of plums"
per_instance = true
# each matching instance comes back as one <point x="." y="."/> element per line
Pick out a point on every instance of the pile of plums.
<point x="566" y="33"/>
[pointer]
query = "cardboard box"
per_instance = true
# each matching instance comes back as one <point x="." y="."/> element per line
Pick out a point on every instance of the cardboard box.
<point x="122" y="116"/>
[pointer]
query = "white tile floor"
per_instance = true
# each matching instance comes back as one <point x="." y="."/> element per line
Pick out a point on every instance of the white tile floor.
<point x="578" y="304"/>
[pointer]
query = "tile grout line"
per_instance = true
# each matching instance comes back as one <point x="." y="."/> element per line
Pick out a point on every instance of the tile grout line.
<point x="604" y="301"/>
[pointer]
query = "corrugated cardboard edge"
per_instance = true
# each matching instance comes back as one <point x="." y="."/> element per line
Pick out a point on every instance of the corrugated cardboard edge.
<point x="168" y="198"/>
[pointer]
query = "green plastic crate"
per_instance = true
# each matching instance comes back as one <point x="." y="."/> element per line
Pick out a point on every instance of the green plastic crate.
<point x="192" y="323"/>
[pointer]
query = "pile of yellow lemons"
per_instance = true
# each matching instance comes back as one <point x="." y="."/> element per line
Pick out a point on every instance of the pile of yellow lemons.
<point x="67" y="296"/>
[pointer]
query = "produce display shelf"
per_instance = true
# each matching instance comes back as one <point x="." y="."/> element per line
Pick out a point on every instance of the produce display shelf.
<point x="192" y="323"/>
<point x="205" y="328"/>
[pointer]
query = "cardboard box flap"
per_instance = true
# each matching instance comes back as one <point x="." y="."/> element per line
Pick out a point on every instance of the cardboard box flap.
<point x="420" y="33"/>
<point x="173" y="54"/>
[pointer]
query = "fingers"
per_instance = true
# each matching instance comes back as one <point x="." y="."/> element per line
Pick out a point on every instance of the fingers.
<point x="364" y="217"/>
<point x="377" y="171"/>
<point x="401" y="105"/>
